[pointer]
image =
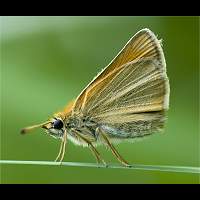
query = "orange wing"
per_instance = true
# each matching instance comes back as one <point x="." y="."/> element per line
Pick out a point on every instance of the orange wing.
<point x="143" y="45"/>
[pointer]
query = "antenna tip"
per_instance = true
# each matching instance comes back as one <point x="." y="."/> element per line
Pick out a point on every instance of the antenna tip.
<point x="23" y="131"/>
<point x="30" y="128"/>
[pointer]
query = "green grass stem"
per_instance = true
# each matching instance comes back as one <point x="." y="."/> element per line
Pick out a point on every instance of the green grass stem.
<point x="166" y="168"/>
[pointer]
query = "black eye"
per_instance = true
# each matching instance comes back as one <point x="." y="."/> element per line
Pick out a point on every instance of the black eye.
<point x="58" y="124"/>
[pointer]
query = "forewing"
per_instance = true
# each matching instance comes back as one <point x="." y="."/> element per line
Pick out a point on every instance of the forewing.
<point x="143" y="89"/>
<point x="142" y="47"/>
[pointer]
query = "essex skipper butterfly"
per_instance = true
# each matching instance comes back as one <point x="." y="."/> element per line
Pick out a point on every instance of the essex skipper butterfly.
<point x="127" y="100"/>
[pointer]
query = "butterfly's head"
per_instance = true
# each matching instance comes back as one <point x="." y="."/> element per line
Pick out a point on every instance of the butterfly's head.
<point x="54" y="127"/>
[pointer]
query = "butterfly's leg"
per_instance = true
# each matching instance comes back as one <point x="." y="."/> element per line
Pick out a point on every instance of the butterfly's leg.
<point x="113" y="149"/>
<point x="92" y="148"/>
<point x="95" y="154"/>
<point x="60" y="151"/>
<point x="64" y="144"/>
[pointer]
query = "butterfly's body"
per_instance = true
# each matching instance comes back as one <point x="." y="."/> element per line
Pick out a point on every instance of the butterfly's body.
<point x="126" y="101"/>
<point x="84" y="126"/>
<point x="117" y="132"/>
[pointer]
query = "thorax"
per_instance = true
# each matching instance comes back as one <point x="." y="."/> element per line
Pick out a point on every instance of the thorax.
<point x="83" y="125"/>
<point x="79" y="121"/>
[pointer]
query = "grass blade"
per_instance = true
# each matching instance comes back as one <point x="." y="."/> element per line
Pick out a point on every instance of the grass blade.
<point x="166" y="168"/>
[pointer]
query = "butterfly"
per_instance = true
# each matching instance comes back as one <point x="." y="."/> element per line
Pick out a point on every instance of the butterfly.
<point x="127" y="100"/>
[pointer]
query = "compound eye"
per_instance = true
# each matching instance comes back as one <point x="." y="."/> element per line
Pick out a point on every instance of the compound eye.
<point x="58" y="124"/>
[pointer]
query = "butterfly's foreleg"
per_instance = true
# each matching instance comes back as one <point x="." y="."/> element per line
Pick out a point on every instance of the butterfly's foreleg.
<point x="113" y="149"/>
<point x="64" y="145"/>
<point x="92" y="148"/>
<point x="60" y="151"/>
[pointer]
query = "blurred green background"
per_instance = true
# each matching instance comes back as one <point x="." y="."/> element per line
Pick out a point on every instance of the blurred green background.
<point x="47" y="61"/>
